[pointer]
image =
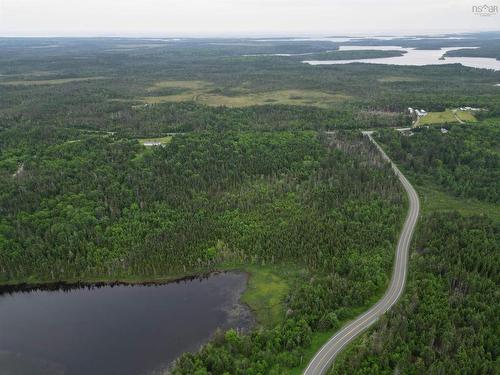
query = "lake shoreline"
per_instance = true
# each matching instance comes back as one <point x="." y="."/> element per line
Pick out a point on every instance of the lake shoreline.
<point x="65" y="285"/>
<point x="150" y="328"/>
<point x="412" y="56"/>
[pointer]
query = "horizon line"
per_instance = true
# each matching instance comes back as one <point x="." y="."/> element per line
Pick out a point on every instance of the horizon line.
<point x="284" y="34"/>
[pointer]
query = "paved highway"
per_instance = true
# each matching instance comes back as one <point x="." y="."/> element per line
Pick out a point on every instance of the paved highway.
<point x="323" y="359"/>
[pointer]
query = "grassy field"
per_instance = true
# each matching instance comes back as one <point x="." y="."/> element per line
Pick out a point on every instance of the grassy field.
<point x="446" y="117"/>
<point x="433" y="198"/>
<point x="204" y="93"/>
<point x="466" y="116"/>
<point x="193" y="85"/>
<point x="265" y="293"/>
<point x="390" y="79"/>
<point x="57" y="81"/>
<point x="162" y="140"/>
<point x="438" y="118"/>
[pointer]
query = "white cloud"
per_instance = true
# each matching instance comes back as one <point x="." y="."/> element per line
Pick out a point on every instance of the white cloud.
<point x="198" y="17"/>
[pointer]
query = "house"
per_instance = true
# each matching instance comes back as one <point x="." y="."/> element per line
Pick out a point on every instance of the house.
<point x="149" y="144"/>
<point x="405" y="131"/>
<point x="444" y="131"/>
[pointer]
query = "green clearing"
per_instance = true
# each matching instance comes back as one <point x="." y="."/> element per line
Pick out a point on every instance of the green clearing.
<point x="41" y="82"/>
<point x="466" y="116"/>
<point x="390" y="79"/>
<point x="34" y="73"/>
<point x="447" y="116"/>
<point x="265" y="294"/>
<point x="438" y="118"/>
<point x="162" y="140"/>
<point x="193" y="85"/>
<point x="434" y="199"/>
<point x="288" y="97"/>
<point x="203" y="92"/>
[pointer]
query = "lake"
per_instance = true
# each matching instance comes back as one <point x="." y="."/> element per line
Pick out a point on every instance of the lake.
<point x="116" y="330"/>
<point x="414" y="57"/>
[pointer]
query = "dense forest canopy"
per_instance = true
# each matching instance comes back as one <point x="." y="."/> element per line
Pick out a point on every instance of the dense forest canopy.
<point x="106" y="206"/>
<point x="447" y="321"/>
<point x="262" y="165"/>
<point x="104" y="84"/>
<point x="89" y="206"/>
<point x="465" y="160"/>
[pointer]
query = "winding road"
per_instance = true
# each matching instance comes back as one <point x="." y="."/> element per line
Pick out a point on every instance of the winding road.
<point x="324" y="358"/>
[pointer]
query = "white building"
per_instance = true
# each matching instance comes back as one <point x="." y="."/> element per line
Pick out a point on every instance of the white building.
<point x="150" y="144"/>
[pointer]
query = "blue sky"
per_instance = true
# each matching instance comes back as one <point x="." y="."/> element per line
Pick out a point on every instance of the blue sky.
<point x="239" y="17"/>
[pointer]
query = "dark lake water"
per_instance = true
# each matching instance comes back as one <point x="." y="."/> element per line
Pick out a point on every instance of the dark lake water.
<point x="116" y="330"/>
